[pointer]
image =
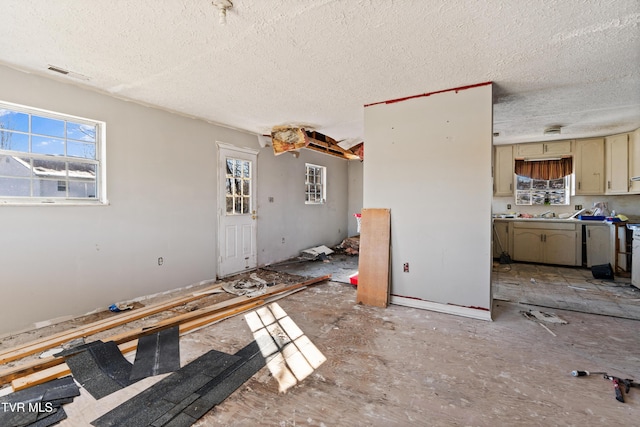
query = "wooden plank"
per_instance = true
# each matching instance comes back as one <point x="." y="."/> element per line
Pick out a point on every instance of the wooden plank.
<point x="373" y="264"/>
<point x="51" y="341"/>
<point x="11" y="374"/>
<point x="127" y="347"/>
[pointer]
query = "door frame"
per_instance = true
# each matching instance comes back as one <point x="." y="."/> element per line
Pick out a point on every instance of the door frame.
<point x="223" y="150"/>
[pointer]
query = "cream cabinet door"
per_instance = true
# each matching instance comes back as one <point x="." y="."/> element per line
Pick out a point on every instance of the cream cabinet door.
<point x="617" y="164"/>
<point x="535" y="149"/>
<point x="527" y="245"/>
<point x="559" y="247"/>
<point x="598" y="245"/>
<point x="558" y="147"/>
<point x="503" y="171"/>
<point x="634" y="161"/>
<point x="589" y="166"/>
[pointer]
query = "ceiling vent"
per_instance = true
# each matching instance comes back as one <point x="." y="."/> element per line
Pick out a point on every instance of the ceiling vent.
<point x="553" y="130"/>
<point x="57" y="69"/>
<point x="67" y="73"/>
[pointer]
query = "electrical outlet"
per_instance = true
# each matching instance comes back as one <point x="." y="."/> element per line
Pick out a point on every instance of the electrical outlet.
<point x="508" y="205"/>
<point x="160" y="261"/>
<point x="406" y="267"/>
<point x="578" y="207"/>
<point x="283" y="240"/>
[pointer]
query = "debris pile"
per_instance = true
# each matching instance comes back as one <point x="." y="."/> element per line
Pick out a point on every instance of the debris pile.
<point x="350" y="245"/>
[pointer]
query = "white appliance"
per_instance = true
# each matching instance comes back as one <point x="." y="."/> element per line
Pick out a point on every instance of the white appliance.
<point x="635" y="255"/>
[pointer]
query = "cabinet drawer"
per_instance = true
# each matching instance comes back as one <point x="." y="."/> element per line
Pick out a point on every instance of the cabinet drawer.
<point x="543" y="225"/>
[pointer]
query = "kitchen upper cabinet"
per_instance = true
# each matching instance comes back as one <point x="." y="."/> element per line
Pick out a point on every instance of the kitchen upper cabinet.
<point x="616" y="164"/>
<point x="589" y="166"/>
<point x="548" y="243"/>
<point x="544" y="148"/>
<point x="598" y="239"/>
<point x="503" y="171"/>
<point x="634" y="161"/>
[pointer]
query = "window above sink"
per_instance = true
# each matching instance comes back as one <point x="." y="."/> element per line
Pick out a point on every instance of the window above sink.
<point x="552" y="192"/>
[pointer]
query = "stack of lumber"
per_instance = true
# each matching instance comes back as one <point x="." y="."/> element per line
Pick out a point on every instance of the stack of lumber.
<point x="34" y="372"/>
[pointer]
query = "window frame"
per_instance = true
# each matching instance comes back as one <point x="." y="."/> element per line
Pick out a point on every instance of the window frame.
<point x="322" y="184"/>
<point x="99" y="160"/>
<point x="568" y="180"/>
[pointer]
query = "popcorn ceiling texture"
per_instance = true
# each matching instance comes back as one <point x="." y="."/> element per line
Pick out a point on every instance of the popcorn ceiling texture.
<point x="317" y="63"/>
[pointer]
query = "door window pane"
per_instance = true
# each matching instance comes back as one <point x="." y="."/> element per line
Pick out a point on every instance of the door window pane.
<point x="238" y="186"/>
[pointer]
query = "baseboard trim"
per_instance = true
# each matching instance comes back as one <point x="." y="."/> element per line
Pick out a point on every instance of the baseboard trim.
<point x="473" y="313"/>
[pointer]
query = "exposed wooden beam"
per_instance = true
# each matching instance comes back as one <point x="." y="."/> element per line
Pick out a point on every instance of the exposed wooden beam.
<point x="323" y="143"/>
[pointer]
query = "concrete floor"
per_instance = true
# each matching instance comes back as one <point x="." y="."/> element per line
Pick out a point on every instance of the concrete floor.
<point x="401" y="366"/>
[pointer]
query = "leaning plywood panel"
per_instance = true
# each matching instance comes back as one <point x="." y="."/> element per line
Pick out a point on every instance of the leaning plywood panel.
<point x="373" y="265"/>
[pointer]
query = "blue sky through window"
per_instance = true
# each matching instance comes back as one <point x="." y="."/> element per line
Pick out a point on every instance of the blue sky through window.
<point x="49" y="136"/>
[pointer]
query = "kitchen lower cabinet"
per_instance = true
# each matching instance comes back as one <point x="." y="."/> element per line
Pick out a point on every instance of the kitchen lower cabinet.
<point x="598" y="245"/>
<point x="500" y="238"/>
<point x="547" y="243"/>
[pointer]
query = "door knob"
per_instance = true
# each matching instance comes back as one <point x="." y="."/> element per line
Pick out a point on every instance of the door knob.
<point x="253" y="215"/>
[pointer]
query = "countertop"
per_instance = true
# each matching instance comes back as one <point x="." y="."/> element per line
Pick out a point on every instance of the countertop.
<point x="572" y="221"/>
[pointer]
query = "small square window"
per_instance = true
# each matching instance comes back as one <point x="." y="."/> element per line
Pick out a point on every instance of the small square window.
<point x="315" y="184"/>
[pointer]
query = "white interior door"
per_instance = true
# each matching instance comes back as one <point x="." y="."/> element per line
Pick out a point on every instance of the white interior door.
<point x="237" y="209"/>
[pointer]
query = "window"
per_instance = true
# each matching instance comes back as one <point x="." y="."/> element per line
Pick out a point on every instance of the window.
<point x="48" y="157"/>
<point x="238" y="186"/>
<point x="315" y="184"/>
<point x="542" y="192"/>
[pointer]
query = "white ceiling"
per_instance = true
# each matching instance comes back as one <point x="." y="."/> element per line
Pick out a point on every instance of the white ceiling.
<point x="318" y="62"/>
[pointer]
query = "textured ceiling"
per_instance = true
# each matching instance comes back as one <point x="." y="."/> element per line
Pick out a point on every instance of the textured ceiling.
<point x="317" y="63"/>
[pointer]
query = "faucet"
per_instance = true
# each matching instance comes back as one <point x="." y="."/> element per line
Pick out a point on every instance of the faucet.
<point x="544" y="214"/>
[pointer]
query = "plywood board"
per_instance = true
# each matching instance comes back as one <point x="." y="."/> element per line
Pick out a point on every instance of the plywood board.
<point x="373" y="264"/>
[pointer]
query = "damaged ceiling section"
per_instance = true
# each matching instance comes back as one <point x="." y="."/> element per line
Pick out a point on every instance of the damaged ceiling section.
<point x="293" y="138"/>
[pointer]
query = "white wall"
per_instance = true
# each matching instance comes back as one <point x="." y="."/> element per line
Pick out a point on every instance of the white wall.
<point x="355" y="194"/>
<point x="287" y="216"/>
<point x="162" y="179"/>
<point x="428" y="159"/>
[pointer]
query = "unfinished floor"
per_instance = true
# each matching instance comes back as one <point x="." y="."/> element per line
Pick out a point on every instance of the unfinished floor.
<point x="402" y="366"/>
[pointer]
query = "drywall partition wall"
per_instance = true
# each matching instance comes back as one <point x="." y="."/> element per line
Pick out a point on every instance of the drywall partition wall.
<point x="286" y="225"/>
<point x="355" y="194"/>
<point x="428" y="159"/>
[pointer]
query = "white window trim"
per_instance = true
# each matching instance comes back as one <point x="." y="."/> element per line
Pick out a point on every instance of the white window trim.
<point x="101" y="159"/>
<point x="323" y="171"/>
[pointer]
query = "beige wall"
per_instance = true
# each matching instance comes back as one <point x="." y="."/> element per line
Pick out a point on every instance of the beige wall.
<point x="428" y="159"/>
<point x="67" y="260"/>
